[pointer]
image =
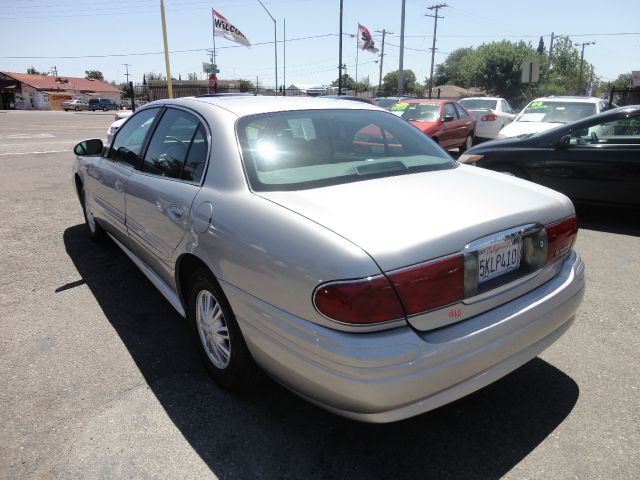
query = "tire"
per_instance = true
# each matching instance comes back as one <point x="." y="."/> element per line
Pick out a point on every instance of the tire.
<point x="77" y="109"/>
<point x="66" y="109"/>
<point x="104" y="109"/>
<point x="217" y="335"/>
<point x="96" y="232"/>
<point x="468" y="143"/>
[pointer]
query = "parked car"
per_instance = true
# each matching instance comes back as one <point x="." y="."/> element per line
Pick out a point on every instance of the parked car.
<point x="75" y="104"/>
<point x="113" y="128"/>
<point x="103" y="104"/>
<point x="377" y="282"/>
<point x="395" y="105"/>
<point x="491" y="114"/>
<point x="349" y="97"/>
<point x="445" y="121"/>
<point x="548" y="112"/>
<point x="594" y="160"/>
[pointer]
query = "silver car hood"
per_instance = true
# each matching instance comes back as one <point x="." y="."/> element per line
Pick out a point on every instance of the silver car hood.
<point x="408" y="219"/>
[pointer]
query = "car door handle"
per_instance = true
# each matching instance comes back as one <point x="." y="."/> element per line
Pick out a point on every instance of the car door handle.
<point x="119" y="186"/>
<point x="175" y="212"/>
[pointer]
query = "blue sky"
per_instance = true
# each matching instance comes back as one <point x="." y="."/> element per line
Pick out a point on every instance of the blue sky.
<point x="84" y="28"/>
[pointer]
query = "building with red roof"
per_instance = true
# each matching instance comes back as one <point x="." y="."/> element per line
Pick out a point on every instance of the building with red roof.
<point x="23" y="91"/>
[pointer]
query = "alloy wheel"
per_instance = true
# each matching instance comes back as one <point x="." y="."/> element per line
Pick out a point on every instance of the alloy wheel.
<point x="213" y="329"/>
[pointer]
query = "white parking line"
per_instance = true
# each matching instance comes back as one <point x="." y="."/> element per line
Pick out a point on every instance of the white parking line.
<point x="33" y="153"/>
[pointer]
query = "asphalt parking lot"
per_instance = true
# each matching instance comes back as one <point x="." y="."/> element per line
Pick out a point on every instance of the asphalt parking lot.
<point x="98" y="377"/>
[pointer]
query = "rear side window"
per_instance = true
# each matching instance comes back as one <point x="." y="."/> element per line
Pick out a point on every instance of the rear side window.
<point x="127" y="145"/>
<point x="177" y="148"/>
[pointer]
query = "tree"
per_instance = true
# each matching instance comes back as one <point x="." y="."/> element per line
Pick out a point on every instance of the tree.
<point x="32" y="71"/>
<point x="94" y="75"/>
<point x="540" y="48"/>
<point x="390" y="83"/>
<point x="153" y="76"/>
<point x="192" y="76"/>
<point x="495" y="68"/>
<point x="448" y="72"/>
<point x="348" y="83"/>
<point x="245" y="85"/>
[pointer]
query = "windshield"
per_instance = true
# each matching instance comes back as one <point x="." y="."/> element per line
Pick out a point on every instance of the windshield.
<point x="422" y="112"/>
<point x="556" y="112"/>
<point x="313" y="148"/>
<point x="478" y="104"/>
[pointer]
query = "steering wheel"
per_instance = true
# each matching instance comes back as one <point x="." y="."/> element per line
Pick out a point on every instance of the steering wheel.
<point x="594" y="137"/>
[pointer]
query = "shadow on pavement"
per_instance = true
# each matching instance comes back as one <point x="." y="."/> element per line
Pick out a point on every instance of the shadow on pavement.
<point x="609" y="219"/>
<point x="269" y="432"/>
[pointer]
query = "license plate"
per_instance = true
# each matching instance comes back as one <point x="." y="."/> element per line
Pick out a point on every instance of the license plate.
<point x="499" y="258"/>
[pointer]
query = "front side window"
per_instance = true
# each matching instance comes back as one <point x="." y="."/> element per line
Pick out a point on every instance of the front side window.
<point x="448" y="110"/>
<point x="624" y="131"/>
<point x="170" y="144"/>
<point x="460" y="110"/>
<point x="127" y="145"/>
<point x="339" y="146"/>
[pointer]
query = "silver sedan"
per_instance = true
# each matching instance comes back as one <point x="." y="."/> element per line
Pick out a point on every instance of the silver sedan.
<point x="334" y="246"/>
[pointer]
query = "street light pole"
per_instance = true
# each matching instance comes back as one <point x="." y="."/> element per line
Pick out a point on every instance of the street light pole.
<point x="401" y="63"/>
<point x="581" y="60"/>
<point x="275" y="41"/>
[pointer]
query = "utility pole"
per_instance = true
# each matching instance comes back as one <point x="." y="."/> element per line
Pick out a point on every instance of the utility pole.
<point x="546" y="83"/>
<point x="433" y="47"/>
<point x="127" y="65"/>
<point x="166" y="50"/>
<point x="340" y="54"/>
<point x="284" y="57"/>
<point x="384" y="32"/>
<point x="581" y="60"/>
<point x="401" y="65"/>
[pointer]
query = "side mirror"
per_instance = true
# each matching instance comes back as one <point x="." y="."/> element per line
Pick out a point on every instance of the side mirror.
<point x="89" y="147"/>
<point x="564" y="141"/>
<point x="447" y="118"/>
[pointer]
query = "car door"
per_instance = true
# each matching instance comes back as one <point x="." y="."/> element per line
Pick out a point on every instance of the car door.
<point x="450" y="128"/>
<point x="160" y="193"/>
<point x="601" y="164"/>
<point x="466" y="123"/>
<point x="507" y="114"/>
<point x="106" y="177"/>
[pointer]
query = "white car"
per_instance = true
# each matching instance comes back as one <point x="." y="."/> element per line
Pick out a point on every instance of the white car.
<point x="113" y="128"/>
<point x="491" y="114"/>
<point x="548" y="112"/>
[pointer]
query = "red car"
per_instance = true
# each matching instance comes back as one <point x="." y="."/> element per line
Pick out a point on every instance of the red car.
<point x="447" y="123"/>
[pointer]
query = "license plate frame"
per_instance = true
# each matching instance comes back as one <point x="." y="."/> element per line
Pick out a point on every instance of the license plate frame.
<point x="499" y="258"/>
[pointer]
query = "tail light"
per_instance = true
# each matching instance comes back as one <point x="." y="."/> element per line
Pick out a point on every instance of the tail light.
<point x="359" y="302"/>
<point x="560" y="237"/>
<point x="489" y="118"/>
<point x="432" y="285"/>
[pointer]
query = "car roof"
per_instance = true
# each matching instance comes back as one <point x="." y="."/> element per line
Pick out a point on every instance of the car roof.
<point x="429" y="100"/>
<point x="481" y="98"/>
<point x="250" y="105"/>
<point x="568" y="98"/>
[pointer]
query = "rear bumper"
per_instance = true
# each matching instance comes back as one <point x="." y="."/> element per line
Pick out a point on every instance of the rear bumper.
<point x="487" y="129"/>
<point x="392" y="375"/>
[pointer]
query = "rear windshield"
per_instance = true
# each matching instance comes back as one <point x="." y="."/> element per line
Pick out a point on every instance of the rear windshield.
<point x="314" y="148"/>
<point x="556" y="112"/>
<point x="385" y="102"/>
<point x="421" y="112"/>
<point x="478" y="104"/>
